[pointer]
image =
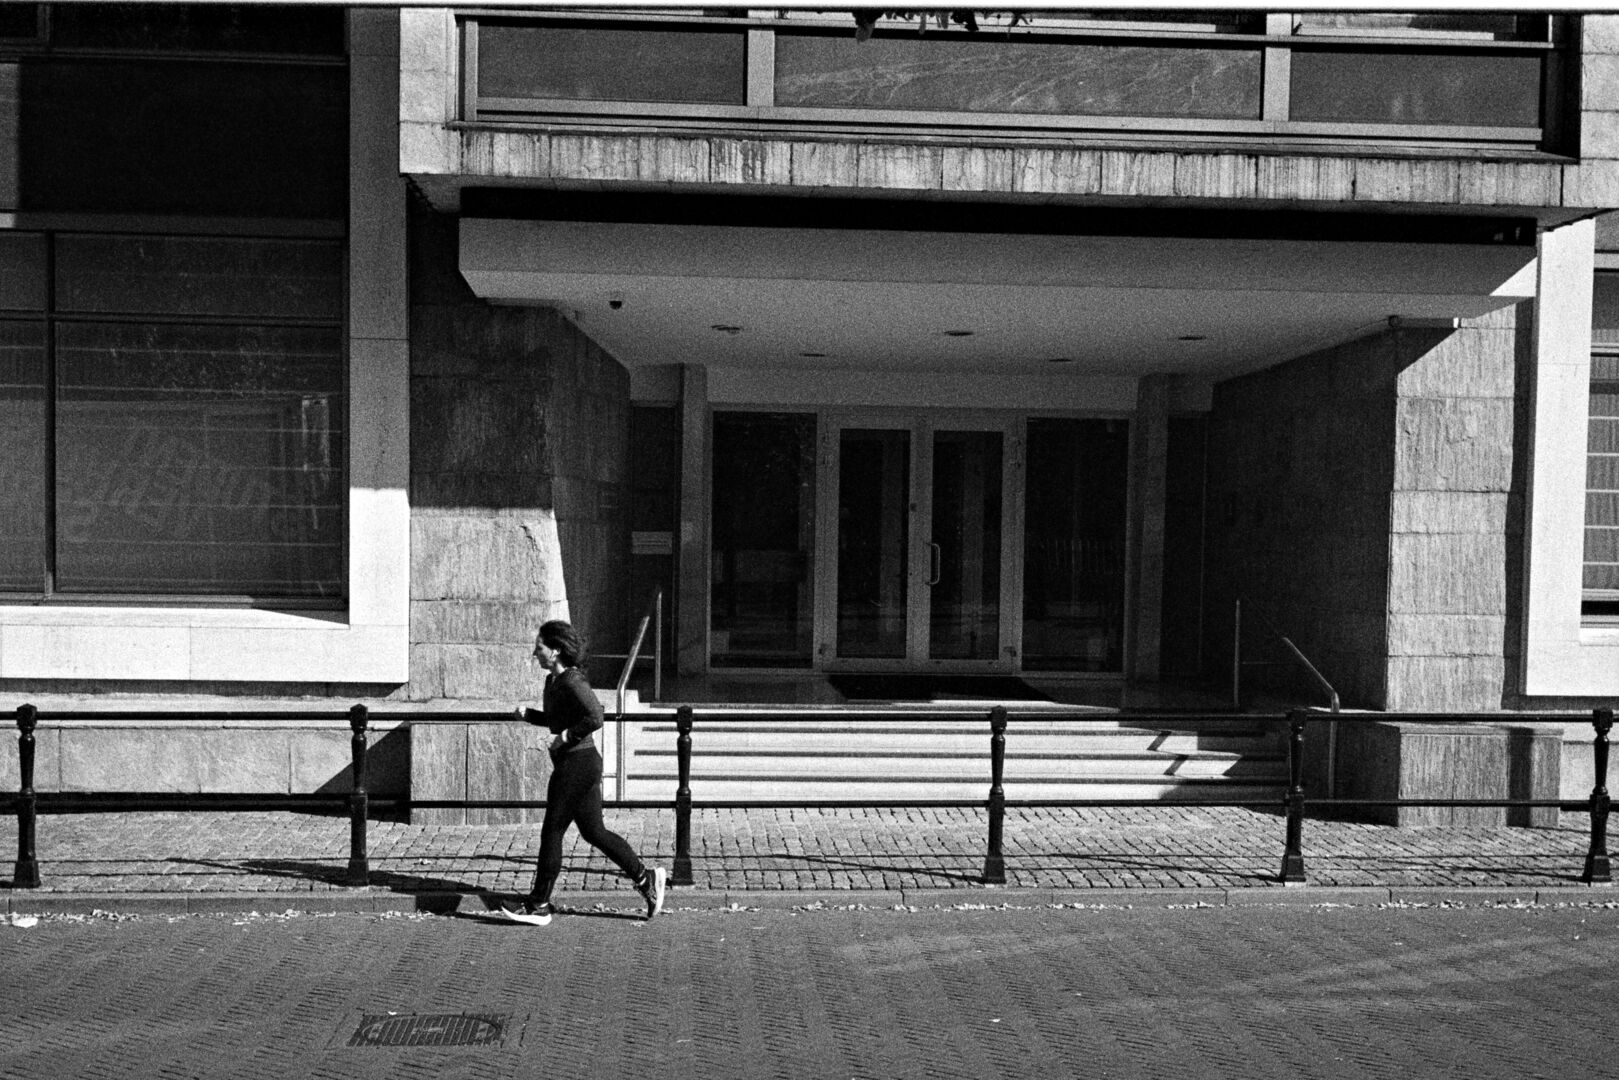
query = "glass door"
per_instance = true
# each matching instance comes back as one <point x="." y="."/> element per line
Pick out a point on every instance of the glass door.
<point x="919" y="535"/>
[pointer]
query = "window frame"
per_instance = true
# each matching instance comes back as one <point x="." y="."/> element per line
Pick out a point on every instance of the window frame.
<point x="49" y="228"/>
<point x="1274" y="46"/>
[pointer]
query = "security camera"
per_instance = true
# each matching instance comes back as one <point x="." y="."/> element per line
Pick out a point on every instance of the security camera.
<point x="615" y="304"/>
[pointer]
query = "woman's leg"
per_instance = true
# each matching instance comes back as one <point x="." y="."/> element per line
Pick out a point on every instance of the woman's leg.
<point x="588" y="816"/>
<point x="562" y="794"/>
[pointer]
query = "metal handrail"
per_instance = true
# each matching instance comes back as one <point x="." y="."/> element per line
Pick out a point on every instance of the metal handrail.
<point x="28" y="803"/>
<point x="654" y="616"/>
<point x="1298" y="654"/>
<point x="629" y="662"/>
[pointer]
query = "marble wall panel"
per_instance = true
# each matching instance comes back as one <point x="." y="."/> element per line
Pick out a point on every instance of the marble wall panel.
<point x="977" y="168"/>
<point x="506" y="761"/>
<point x="1405" y="180"/>
<point x="749" y="161"/>
<point x="176" y="759"/>
<point x="1056" y="172"/>
<point x="438" y="770"/>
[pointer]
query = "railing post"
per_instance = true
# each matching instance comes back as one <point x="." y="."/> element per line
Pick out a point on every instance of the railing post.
<point x="1596" y="859"/>
<point x="26" y="873"/>
<point x="1293" y="855"/>
<point x="994" y="863"/>
<point x="682" y="867"/>
<point x="359" y="801"/>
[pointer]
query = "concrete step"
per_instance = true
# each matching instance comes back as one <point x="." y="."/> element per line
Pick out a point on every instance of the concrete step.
<point x="844" y="756"/>
<point x="942" y="768"/>
<point x="1188" y="790"/>
<point x="954" y="742"/>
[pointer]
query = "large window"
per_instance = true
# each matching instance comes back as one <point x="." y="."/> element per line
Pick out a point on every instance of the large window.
<point x="173" y="407"/>
<point x="1471" y="80"/>
<point x="1600" y="580"/>
<point x="1073" y="573"/>
<point x="173" y="418"/>
<point x="762" y="609"/>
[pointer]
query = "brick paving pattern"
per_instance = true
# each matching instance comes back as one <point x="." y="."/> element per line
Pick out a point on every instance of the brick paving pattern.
<point x="953" y="993"/>
<point x="763" y="851"/>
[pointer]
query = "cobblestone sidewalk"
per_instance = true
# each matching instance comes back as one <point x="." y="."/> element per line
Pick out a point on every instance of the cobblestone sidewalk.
<point x="760" y="852"/>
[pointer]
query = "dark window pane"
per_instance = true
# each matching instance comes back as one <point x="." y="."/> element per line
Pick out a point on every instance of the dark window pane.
<point x="1605" y="311"/>
<point x="762" y="605"/>
<point x="1438" y="89"/>
<point x="19" y="20"/>
<point x="173" y="137"/>
<point x="964" y="600"/>
<point x="257" y="28"/>
<point x="599" y="64"/>
<point x="22" y="271"/>
<point x="22" y="452"/>
<point x="1602" y="482"/>
<point x="960" y="75"/>
<point x="1073" y="576"/>
<point x="200" y="460"/>
<point x="186" y="275"/>
<point x="874" y="492"/>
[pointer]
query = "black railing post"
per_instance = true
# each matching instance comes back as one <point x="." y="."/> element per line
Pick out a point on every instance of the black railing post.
<point x="359" y="861"/>
<point x="1293" y="855"/>
<point x="994" y="863"/>
<point x="682" y="867"/>
<point x="26" y="873"/>
<point x="1596" y="859"/>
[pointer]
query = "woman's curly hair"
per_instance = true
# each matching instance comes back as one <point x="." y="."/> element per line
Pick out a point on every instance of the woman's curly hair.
<point x="561" y="636"/>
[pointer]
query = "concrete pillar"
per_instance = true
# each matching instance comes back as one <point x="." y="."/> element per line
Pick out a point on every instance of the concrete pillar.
<point x="1559" y="396"/>
<point x="1453" y="438"/>
<point x="1149" y="463"/>
<point x="691" y="602"/>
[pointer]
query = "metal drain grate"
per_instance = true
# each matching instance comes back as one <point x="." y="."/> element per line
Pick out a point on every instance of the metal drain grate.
<point x="432" y="1029"/>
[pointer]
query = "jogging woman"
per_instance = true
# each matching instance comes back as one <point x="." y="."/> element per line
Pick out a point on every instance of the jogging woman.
<point x="571" y="712"/>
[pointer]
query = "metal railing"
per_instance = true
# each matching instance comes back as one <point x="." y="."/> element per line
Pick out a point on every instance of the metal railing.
<point x="653" y="617"/>
<point x="29" y="804"/>
<point x="1237" y="662"/>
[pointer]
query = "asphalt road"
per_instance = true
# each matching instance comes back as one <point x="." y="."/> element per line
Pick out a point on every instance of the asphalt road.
<point x="1252" y="992"/>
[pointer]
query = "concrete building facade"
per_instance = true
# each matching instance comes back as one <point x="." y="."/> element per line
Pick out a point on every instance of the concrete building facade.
<point x="1036" y="348"/>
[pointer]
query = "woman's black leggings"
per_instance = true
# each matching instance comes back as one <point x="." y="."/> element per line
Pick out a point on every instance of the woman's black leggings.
<point x="574" y="797"/>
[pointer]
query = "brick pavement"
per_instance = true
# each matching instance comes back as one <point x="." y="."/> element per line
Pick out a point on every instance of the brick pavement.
<point x="1173" y="853"/>
<point x="1481" y="992"/>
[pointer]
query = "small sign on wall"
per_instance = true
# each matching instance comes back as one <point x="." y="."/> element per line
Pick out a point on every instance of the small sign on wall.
<point x="652" y="543"/>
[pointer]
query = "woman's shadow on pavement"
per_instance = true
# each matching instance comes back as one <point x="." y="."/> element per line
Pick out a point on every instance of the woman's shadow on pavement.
<point x="440" y="896"/>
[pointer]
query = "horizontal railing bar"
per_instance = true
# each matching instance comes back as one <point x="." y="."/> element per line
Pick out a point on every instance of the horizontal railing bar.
<point x="808" y="715"/>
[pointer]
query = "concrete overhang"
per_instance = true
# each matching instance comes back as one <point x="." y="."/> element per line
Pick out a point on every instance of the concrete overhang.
<point x="1000" y="304"/>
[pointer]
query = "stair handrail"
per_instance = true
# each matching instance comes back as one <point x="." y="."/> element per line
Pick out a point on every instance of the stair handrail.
<point x="654" y="615"/>
<point x="1298" y="655"/>
<point x="1331" y="778"/>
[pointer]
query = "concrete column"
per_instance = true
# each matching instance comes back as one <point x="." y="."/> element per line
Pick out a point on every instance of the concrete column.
<point x="1559" y="403"/>
<point x="1453" y="442"/>
<point x="1149" y="463"/>
<point x="691" y="564"/>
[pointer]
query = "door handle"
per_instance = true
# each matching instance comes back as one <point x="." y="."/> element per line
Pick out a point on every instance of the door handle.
<point x="935" y="564"/>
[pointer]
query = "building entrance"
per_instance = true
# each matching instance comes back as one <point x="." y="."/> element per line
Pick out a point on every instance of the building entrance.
<point x="924" y="542"/>
<point x="917" y="529"/>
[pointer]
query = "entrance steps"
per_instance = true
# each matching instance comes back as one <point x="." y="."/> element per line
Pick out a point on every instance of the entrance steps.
<point x="806" y="756"/>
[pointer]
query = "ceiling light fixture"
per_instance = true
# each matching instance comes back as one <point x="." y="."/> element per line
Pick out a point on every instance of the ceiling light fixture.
<point x="959" y="333"/>
<point x="1059" y="359"/>
<point x="814" y="355"/>
<point x="1192" y="337"/>
<point x="726" y="329"/>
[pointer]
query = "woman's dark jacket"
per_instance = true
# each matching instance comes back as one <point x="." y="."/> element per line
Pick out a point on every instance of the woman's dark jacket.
<point x="570" y="710"/>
